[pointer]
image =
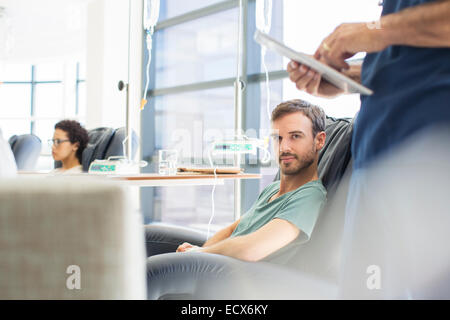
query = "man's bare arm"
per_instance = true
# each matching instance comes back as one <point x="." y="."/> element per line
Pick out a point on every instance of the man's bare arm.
<point x="218" y="236"/>
<point x="426" y="25"/>
<point x="259" y="244"/>
<point x="222" y="234"/>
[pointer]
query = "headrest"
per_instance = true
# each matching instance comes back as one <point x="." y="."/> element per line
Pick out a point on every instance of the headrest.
<point x="336" y="154"/>
<point x="26" y="149"/>
<point x="116" y="147"/>
<point x="99" y="140"/>
<point x="12" y="141"/>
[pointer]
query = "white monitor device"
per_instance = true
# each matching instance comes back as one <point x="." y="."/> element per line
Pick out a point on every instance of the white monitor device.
<point x="331" y="75"/>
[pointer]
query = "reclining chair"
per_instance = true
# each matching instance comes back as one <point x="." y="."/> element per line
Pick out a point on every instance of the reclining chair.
<point x="56" y="232"/>
<point x="103" y="143"/>
<point x="308" y="271"/>
<point x="26" y="149"/>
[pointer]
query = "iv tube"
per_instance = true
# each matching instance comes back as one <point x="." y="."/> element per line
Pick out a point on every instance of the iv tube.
<point x="264" y="15"/>
<point x="150" y="18"/>
<point x="151" y="14"/>
<point x="263" y="23"/>
<point x="212" y="193"/>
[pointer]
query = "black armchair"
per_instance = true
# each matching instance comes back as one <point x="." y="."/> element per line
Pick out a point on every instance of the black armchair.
<point x="308" y="271"/>
<point x="103" y="143"/>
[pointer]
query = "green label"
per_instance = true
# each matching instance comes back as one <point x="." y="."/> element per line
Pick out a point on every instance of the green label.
<point x="103" y="168"/>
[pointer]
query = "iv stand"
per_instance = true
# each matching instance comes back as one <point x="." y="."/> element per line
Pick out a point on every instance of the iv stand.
<point x="128" y="144"/>
<point x="121" y="86"/>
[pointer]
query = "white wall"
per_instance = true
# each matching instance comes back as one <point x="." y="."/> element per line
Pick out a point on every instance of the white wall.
<point x="110" y="60"/>
<point x="92" y="31"/>
<point x="33" y="31"/>
<point x="97" y="31"/>
<point x="106" y="62"/>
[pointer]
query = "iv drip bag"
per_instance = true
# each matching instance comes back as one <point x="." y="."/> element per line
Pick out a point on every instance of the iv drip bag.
<point x="263" y="15"/>
<point x="151" y="13"/>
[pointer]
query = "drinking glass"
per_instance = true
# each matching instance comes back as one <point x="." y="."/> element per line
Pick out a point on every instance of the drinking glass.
<point x="168" y="162"/>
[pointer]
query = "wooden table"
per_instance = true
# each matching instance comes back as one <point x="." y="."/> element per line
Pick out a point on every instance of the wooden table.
<point x="156" y="180"/>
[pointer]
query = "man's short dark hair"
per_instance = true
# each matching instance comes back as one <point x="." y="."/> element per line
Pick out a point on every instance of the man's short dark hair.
<point x="313" y="112"/>
<point x="76" y="133"/>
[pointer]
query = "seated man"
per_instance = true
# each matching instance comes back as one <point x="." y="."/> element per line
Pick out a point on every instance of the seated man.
<point x="286" y="210"/>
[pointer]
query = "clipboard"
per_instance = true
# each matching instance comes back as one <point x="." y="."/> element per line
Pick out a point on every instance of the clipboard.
<point x="331" y="75"/>
<point x="219" y="170"/>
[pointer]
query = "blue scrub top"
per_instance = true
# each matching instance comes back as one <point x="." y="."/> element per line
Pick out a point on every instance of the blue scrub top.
<point x="412" y="92"/>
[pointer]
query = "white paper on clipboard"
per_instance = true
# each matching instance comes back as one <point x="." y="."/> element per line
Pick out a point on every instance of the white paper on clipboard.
<point x="331" y="75"/>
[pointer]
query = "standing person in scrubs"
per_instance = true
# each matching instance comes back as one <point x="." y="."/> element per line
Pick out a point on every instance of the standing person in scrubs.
<point x="408" y="67"/>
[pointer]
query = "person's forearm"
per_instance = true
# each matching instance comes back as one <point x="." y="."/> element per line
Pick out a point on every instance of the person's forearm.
<point x="221" y="235"/>
<point x="426" y="25"/>
<point x="236" y="247"/>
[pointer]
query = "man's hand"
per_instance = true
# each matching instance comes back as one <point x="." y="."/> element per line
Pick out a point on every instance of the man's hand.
<point x="347" y="40"/>
<point x="186" y="247"/>
<point x="310" y="81"/>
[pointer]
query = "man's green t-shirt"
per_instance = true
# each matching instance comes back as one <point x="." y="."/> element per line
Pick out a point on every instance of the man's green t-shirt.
<point x="301" y="207"/>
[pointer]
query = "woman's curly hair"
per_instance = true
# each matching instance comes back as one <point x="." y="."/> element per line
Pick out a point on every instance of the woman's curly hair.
<point x="76" y="133"/>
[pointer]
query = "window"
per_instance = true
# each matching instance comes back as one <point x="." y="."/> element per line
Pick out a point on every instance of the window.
<point x="199" y="54"/>
<point x="176" y="8"/>
<point x="194" y="66"/>
<point x="35" y="97"/>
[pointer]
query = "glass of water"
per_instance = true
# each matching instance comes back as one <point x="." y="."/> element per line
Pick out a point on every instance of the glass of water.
<point x="168" y="162"/>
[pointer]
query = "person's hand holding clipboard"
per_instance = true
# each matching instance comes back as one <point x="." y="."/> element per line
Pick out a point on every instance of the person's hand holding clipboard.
<point x="314" y="76"/>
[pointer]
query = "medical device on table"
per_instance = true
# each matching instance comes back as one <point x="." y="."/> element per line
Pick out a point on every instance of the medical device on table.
<point x="242" y="145"/>
<point x="116" y="165"/>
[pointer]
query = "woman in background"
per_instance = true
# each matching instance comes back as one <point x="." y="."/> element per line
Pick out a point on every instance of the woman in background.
<point x="69" y="141"/>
